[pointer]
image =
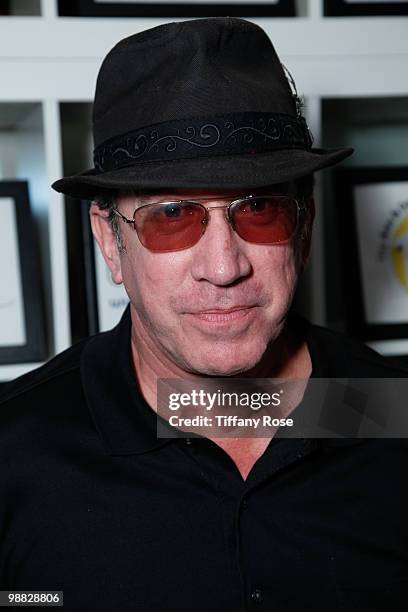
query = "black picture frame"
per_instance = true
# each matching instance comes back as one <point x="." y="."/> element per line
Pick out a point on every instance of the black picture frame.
<point x="191" y="8"/>
<point x="81" y="270"/>
<point x="96" y="304"/>
<point x="35" y="347"/>
<point x="382" y="8"/>
<point x="5" y="7"/>
<point x="359" y="244"/>
<point x="89" y="269"/>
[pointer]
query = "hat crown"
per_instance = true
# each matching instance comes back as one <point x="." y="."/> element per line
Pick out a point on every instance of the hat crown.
<point x="200" y="104"/>
<point x="192" y="69"/>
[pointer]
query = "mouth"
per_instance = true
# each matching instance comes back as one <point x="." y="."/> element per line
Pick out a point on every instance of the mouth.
<point x="222" y="316"/>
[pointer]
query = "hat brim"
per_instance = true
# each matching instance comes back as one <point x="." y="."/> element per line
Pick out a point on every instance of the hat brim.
<point x="222" y="172"/>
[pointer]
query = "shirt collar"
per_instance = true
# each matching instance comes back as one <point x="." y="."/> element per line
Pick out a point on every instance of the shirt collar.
<point x="124" y="420"/>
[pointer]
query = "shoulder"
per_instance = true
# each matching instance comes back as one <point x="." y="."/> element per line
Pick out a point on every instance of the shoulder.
<point x="57" y="401"/>
<point x="41" y="403"/>
<point x="58" y="389"/>
<point x="35" y="412"/>
<point x="337" y="355"/>
<point x="45" y="410"/>
<point x="363" y="360"/>
<point x="61" y="368"/>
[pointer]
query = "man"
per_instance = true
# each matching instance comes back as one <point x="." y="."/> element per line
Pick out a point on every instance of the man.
<point x="203" y="209"/>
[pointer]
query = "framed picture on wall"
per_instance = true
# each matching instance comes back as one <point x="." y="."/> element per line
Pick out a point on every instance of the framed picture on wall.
<point x="358" y="8"/>
<point x="22" y="329"/>
<point x="106" y="300"/>
<point x="176" y="8"/>
<point x="372" y="213"/>
<point x="96" y="302"/>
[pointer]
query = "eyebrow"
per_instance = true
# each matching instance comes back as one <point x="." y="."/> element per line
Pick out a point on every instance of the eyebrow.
<point x="144" y="198"/>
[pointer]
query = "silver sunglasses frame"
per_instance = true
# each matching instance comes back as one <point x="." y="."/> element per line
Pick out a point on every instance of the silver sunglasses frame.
<point x="301" y="208"/>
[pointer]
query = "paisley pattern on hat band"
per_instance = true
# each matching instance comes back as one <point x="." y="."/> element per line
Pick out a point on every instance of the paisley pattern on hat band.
<point x="228" y="134"/>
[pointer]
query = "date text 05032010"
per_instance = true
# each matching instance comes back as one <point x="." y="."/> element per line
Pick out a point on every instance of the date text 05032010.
<point x="31" y="598"/>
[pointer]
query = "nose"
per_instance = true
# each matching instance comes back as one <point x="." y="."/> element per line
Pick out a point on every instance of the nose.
<point x="219" y="257"/>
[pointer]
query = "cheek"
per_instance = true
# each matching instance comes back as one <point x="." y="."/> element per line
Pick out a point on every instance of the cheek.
<point x="277" y="275"/>
<point x="278" y="271"/>
<point x="151" y="280"/>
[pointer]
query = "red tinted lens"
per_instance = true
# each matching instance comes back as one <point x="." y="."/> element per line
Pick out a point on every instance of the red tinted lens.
<point x="170" y="226"/>
<point x="265" y="219"/>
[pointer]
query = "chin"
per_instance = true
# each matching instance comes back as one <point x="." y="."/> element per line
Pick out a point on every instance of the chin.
<point x="222" y="371"/>
<point x="223" y="363"/>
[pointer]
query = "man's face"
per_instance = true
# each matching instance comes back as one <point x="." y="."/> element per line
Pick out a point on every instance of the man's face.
<point x="211" y="308"/>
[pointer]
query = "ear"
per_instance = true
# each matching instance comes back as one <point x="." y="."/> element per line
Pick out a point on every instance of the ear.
<point x="306" y="234"/>
<point x="105" y="237"/>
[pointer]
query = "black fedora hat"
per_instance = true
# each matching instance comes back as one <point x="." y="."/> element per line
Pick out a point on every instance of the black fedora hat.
<point x="204" y="103"/>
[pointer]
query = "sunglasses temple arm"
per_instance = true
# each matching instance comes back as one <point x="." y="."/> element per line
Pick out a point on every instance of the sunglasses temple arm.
<point x="124" y="219"/>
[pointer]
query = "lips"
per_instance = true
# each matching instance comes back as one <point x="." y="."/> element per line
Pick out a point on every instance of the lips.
<point x="223" y="315"/>
<point x="222" y="310"/>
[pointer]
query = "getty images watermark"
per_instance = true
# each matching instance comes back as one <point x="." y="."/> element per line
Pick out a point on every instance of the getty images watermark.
<point x="214" y="401"/>
<point x="312" y="408"/>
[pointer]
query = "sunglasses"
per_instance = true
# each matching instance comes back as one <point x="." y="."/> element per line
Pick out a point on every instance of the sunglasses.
<point x="178" y="225"/>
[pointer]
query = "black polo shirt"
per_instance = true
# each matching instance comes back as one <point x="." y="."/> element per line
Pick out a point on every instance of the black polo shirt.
<point x="92" y="503"/>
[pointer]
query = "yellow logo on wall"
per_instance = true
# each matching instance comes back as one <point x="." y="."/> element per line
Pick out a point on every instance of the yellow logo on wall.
<point x="399" y="252"/>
